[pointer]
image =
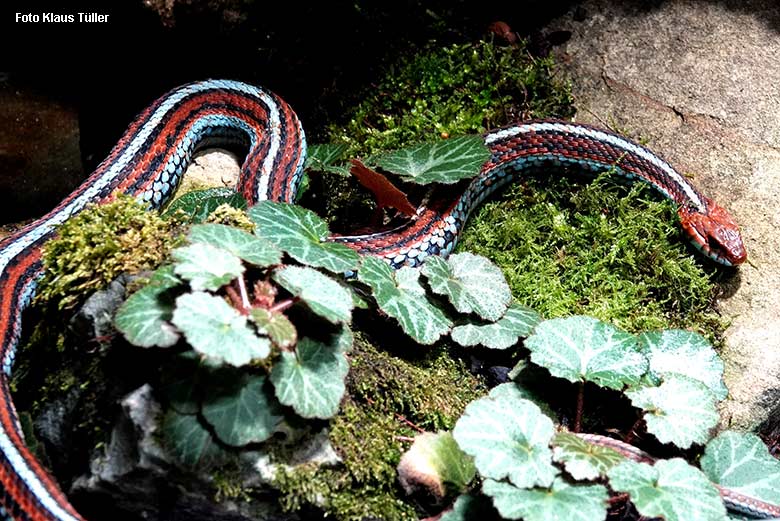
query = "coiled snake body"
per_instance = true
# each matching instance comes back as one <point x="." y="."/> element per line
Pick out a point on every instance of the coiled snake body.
<point x="153" y="153"/>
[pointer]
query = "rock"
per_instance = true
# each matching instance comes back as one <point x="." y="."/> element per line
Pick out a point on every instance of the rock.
<point x="134" y="478"/>
<point x="95" y="318"/>
<point x="698" y="81"/>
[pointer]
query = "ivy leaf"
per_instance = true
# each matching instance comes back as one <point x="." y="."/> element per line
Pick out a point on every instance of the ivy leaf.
<point x="143" y="318"/>
<point x="583" y="349"/>
<point x="190" y="442"/>
<point x="243" y="245"/>
<point x="469" y="507"/>
<point x="241" y="412"/>
<point x="206" y="267"/>
<point x="742" y="463"/>
<point x="472" y="283"/>
<point x="508" y="437"/>
<point x="447" y="161"/>
<point x="518" y="322"/>
<point x="670" y="489"/>
<point x="303" y="235"/>
<point x="198" y="204"/>
<point x="217" y="331"/>
<point x="435" y="463"/>
<point x="311" y="379"/>
<point x="583" y="460"/>
<point x="686" y="353"/>
<point x="322" y="294"/>
<point x="276" y="325"/>
<point x="560" y="501"/>
<point x="326" y="158"/>
<point x="680" y="410"/>
<point x="400" y="295"/>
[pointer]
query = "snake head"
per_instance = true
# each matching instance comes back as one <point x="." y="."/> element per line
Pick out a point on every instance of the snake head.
<point x="714" y="232"/>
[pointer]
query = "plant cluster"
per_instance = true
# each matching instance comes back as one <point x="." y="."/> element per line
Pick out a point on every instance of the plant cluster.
<point x="529" y="469"/>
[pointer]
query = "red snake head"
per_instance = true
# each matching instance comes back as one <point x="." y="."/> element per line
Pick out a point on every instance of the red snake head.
<point x="714" y="233"/>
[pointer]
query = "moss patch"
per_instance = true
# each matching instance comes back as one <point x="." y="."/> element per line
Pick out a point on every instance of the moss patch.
<point x="453" y="90"/>
<point x="101" y="242"/>
<point x="431" y="392"/>
<point x="599" y="249"/>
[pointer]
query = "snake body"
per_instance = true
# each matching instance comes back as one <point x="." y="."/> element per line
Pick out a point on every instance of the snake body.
<point x="153" y="153"/>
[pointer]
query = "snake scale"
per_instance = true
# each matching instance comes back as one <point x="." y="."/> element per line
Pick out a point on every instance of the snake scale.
<point x="152" y="155"/>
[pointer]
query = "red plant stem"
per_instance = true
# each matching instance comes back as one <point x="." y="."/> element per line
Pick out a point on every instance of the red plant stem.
<point x="235" y="299"/>
<point x="633" y="431"/>
<point x="580" y="407"/>
<point x="404" y="438"/>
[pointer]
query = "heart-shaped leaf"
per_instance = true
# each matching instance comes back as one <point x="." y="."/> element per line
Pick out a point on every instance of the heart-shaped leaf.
<point x="241" y="412"/>
<point x="686" y="353"/>
<point x="585" y="349"/>
<point x="517" y="322"/>
<point x="680" y="410"/>
<point x="217" y="331"/>
<point x="509" y="437"/>
<point x="303" y="235"/>
<point x="670" y="489"/>
<point x="400" y="295"/>
<point x="311" y="379"/>
<point x="446" y="161"/>
<point x="322" y="294"/>
<point x="205" y="266"/>
<point x="198" y="204"/>
<point x="472" y="283"/>
<point x="742" y="463"/>
<point x="560" y="501"/>
<point x="243" y="245"/>
<point x="143" y="318"/>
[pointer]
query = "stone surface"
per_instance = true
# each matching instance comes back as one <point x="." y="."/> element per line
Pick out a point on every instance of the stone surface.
<point x="134" y="478"/>
<point x="698" y="80"/>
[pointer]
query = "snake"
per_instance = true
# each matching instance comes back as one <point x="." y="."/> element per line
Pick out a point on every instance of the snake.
<point x="153" y="153"/>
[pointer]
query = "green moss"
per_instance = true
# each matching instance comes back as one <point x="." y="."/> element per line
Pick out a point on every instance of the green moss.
<point x="231" y="216"/>
<point x="332" y="491"/>
<point x="431" y="392"/>
<point x="599" y="249"/>
<point x="229" y="484"/>
<point x="453" y="90"/>
<point x="94" y="247"/>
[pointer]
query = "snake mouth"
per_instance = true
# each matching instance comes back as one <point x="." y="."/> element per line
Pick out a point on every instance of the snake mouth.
<point x="712" y="249"/>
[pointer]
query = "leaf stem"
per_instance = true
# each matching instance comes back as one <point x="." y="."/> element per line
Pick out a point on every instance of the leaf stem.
<point x="244" y="295"/>
<point x="632" y="433"/>
<point x="580" y="407"/>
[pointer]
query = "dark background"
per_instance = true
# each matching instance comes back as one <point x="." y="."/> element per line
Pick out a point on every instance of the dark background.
<point x="317" y="56"/>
